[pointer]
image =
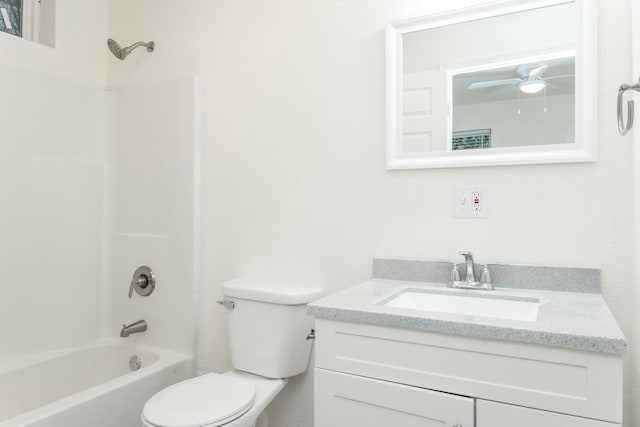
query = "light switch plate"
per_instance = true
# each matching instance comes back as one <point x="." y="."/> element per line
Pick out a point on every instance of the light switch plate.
<point x="470" y="201"/>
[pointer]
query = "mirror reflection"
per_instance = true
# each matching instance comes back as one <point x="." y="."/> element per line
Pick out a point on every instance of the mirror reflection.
<point x="29" y="19"/>
<point x="529" y="101"/>
<point x="496" y="82"/>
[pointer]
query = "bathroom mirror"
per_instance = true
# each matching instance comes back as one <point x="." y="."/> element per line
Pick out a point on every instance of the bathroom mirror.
<point x="32" y="20"/>
<point x="503" y="83"/>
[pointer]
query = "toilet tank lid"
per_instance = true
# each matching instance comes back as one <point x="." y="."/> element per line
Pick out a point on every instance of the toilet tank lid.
<point x="268" y="292"/>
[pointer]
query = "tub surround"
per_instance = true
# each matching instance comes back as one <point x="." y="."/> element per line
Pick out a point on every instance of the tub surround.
<point x="577" y="319"/>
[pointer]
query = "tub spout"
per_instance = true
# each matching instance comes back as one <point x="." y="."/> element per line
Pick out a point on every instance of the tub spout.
<point x="134" y="328"/>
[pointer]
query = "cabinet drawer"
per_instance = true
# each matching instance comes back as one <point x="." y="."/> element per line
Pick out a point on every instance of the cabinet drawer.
<point x="343" y="400"/>
<point x="582" y="383"/>
<point x="492" y="414"/>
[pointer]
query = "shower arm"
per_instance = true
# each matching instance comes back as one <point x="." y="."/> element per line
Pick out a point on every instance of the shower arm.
<point x="150" y="46"/>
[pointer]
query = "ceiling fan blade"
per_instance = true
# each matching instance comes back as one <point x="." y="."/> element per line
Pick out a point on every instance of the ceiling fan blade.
<point x="537" y="72"/>
<point x="522" y="71"/>
<point x="558" y="77"/>
<point x="493" y="83"/>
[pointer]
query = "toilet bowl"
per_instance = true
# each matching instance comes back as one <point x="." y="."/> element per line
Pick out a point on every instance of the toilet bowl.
<point x="268" y="330"/>
<point x="232" y="399"/>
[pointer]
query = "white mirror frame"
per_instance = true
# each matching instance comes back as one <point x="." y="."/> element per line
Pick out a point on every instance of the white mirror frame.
<point x="586" y="94"/>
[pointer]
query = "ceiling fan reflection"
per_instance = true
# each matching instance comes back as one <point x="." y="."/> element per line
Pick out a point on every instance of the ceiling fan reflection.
<point x="529" y="82"/>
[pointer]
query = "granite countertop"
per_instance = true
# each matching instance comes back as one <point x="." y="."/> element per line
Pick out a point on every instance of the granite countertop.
<point x="575" y="320"/>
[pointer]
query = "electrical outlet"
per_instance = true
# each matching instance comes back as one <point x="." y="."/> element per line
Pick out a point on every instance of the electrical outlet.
<point x="470" y="202"/>
<point x="476" y="201"/>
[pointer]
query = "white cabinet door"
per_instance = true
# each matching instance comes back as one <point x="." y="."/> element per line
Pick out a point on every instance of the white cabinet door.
<point x="492" y="414"/>
<point x="343" y="400"/>
<point x="581" y="383"/>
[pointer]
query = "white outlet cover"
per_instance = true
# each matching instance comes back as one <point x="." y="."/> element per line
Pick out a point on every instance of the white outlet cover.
<point x="470" y="201"/>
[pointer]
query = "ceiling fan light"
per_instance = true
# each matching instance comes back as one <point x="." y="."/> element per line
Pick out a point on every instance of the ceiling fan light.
<point x="532" y="86"/>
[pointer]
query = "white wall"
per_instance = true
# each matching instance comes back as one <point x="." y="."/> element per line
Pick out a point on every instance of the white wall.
<point x="47" y="26"/>
<point x="295" y="185"/>
<point x="633" y="138"/>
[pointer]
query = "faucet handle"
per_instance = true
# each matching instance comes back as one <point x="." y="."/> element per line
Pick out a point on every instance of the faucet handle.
<point x="485" y="278"/>
<point x="455" y="274"/>
<point x="143" y="281"/>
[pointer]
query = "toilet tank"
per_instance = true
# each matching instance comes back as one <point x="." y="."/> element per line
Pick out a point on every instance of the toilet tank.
<point x="268" y="327"/>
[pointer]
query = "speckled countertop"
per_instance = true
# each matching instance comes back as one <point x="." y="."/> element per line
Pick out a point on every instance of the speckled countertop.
<point x="574" y="320"/>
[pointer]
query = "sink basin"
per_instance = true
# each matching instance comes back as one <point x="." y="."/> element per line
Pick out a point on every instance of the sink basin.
<point x="497" y="307"/>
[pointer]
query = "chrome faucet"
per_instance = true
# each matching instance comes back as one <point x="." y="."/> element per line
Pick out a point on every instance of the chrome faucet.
<point x="134" y="328"/>
<point x="470" y="281"/>
<point x="471" y="275"/>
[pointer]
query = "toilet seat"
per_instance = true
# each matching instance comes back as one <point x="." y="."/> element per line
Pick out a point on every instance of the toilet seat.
<point x="208" y="400"/>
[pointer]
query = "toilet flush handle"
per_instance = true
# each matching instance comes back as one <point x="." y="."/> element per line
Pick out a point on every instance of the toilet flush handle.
<point x="229" y="304"/>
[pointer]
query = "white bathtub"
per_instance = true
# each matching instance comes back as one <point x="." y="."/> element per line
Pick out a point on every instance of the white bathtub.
<point x="90" y="386"/>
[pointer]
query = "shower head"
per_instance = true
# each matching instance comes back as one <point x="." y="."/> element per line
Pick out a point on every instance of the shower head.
<point x="122" y="52"/>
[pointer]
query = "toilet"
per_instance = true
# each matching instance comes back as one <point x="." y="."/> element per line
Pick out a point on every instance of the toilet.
<point x="267" y="331"/>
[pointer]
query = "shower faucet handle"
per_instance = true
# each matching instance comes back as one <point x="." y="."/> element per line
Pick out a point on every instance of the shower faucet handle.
<point x="139" y="283"/>
<point x="143" y="281"/>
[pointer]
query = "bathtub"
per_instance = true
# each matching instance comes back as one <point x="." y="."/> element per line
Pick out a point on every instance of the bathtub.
<point x="90" y="386"/>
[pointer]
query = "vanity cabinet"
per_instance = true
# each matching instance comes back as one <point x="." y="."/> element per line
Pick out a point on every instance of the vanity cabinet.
<point x="492" y="414"/>
<point x="349" y="400"/>
<point x="373" y="375"/>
